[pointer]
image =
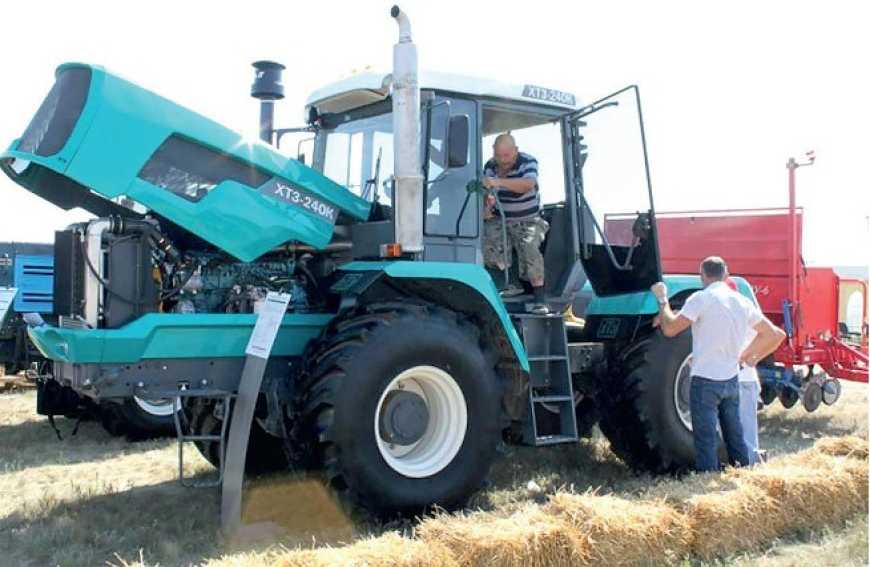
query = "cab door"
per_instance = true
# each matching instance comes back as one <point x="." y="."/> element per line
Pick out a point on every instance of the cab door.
<point x="451" y="225"/>
<point x="609" y="180"/>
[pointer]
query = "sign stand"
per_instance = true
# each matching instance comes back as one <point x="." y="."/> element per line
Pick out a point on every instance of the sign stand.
<point x="256" y="356"/>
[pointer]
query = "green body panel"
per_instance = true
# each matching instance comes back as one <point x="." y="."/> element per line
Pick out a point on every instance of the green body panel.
<point x="471" y="275"/>
<point x="644" y="303"/>
<point x="173" y="335"/>
<point x="122" y="125"/>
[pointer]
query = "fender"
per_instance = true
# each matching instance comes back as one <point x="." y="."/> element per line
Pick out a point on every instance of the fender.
<point x="470" y="276"/>
<point x="643" y="302"/>
<point x="173" y="336"/>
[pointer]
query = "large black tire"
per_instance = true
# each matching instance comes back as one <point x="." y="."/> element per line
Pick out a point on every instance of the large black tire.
<point x="265" y="451"/>
<point x="639" y="415"/>
<point x="128" y="418"/>
<point x="351" y="367"/>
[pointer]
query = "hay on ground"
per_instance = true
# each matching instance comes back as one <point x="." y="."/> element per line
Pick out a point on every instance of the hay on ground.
<point x="735" y="520"/>
<point x="528" y="538"/>
<point x="812" y="490"/>
<point x="849" y="446"/>
<point x="624" y="532"/>
<point x="388" y="550"/>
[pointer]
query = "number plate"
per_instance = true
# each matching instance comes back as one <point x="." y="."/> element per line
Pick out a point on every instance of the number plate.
<point x="608" y="329"/>
<point x="548" y="95"/>
<point x="297" y="196"/>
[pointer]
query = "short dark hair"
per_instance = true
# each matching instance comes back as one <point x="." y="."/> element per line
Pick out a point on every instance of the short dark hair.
<point x="714" y="267"/>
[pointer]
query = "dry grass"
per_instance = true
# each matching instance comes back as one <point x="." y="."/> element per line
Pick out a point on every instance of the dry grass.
<point x="84" y="500"/>
<point x="843" y="446"/>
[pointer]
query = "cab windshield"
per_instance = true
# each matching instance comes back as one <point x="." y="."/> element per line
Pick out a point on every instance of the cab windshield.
<point x="359" y="155"/>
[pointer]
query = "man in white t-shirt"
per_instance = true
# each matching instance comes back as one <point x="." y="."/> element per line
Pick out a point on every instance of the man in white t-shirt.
<point x="720" y="320"/>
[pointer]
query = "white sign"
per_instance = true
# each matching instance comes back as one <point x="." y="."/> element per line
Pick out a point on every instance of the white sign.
<point x="268" y="321"/>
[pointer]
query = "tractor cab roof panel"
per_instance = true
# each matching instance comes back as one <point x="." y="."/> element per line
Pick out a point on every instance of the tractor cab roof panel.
<point x="370" y="87"/>
<point x="99" y="141"/>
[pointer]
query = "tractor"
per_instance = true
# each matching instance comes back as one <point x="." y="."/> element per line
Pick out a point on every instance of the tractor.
<point x="398" y="369"/>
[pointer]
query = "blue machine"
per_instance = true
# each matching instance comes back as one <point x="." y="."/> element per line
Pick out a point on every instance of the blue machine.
<point x="34" y="279"/>
<point x="26" y="286"/>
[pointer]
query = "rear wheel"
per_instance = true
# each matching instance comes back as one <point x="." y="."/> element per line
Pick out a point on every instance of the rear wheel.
<point x="402" y="408"/>
<point x="645" y="404"/>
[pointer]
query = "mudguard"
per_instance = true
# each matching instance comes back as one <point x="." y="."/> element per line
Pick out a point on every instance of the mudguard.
<point x="173" y="336"/>
<point x="99" y="140"/>
<point x="471" y="276"/>
<point x="644" y="303"/>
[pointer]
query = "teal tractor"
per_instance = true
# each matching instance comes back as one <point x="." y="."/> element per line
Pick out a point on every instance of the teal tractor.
<point x="398" y="369"/>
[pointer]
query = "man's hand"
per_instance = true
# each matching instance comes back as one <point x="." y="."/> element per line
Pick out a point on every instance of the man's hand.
<point x="768" y="337"/>
<point x="660" y="290"/>
<point x="488" y="204"/>
<point x="748" y="359"/>
<point x="671" y="324"/>
<point x="489" y="182"/>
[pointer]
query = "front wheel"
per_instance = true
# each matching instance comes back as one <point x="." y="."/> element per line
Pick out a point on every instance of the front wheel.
<point x="402" y="408"/>
<point x="139" y="418"/>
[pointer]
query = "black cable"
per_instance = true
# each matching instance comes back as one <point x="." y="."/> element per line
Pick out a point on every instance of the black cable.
<point x="127" y="300"/>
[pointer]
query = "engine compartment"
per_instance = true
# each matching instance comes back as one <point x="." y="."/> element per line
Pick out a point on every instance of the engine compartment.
<point x="109" y="271"/>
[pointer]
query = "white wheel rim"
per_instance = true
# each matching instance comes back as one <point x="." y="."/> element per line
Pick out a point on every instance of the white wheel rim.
<point x="682" y="386"/>
<point x="160" y="408"/>
<point x="445" y="430"/>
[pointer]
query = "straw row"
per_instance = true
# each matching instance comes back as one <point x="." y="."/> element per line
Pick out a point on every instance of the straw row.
<point x="741" y="510"/>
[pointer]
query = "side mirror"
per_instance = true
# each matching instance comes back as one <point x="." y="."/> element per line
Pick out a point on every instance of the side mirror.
<point x="457" y="141"/>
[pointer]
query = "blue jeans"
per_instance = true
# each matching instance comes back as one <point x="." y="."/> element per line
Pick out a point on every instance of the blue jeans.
<point x="716" y="402"/>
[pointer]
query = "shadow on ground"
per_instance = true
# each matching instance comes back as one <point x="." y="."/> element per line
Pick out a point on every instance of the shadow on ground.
<point x="170" y="525"/>
<point x="33" y="443"/>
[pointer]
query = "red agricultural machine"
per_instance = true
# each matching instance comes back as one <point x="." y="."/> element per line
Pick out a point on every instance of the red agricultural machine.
<point x="808" y="303"/>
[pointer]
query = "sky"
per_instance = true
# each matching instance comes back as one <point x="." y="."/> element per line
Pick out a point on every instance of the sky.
<point x="730" y="90"/>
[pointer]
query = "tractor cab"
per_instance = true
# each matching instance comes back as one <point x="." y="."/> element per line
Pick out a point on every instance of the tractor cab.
<point x="460" y="118"/>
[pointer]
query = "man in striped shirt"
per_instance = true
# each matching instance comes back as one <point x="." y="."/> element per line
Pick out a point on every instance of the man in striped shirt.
<point x="513" y="176"/>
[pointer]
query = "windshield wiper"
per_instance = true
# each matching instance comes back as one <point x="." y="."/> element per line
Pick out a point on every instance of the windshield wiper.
<point x="373" y="182"/>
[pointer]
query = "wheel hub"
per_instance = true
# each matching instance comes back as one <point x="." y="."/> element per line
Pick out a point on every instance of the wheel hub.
<point x="682" y="392"/>
<point x="420" y="421"/>
<point x="404" y="418"/>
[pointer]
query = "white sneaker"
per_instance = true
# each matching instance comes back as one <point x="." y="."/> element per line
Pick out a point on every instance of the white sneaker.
<point x="512" y="291"/>
<point x="539" y="309"/>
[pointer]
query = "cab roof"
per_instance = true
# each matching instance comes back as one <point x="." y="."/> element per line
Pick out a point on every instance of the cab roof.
<point x="370" y="87"/>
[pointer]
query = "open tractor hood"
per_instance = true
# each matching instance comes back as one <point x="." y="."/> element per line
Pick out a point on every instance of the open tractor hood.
<point x="99" y="141"/>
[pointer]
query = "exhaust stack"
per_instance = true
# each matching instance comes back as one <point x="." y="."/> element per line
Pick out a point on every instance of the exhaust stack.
<point x="268" y="87"/>
<point x="408" y="195"/>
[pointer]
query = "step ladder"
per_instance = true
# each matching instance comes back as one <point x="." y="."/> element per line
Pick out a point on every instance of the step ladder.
<point x="182" y="428"/>
<point x="551" y="392"/>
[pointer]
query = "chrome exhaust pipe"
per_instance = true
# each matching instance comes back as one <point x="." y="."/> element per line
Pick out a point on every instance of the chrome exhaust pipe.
<point x="408" y="194"/>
